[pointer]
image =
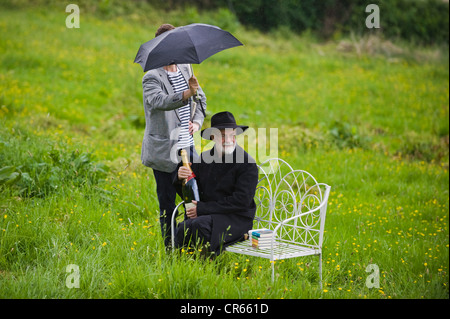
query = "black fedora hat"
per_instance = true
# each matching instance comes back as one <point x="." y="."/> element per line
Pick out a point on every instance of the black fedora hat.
<point x="220" y="121"/>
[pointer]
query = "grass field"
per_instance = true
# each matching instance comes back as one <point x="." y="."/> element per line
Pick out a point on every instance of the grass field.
<point x="366" y="116"/>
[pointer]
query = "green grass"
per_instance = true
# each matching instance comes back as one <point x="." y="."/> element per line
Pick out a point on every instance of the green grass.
<point x="73" y="190"/>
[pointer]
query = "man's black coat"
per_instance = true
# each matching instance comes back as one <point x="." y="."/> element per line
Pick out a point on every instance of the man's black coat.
<point x="227" y="188"/>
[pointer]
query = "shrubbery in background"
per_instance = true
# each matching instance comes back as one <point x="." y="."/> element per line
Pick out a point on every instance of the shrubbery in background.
<point x="424" y="22"/>
<point x="421" y="21"/>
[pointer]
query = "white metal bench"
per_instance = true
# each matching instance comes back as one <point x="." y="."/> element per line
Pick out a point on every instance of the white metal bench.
<point x="292" y="204"/>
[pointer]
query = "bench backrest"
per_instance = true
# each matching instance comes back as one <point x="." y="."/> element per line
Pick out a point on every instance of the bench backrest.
<point x="283" y="193"/>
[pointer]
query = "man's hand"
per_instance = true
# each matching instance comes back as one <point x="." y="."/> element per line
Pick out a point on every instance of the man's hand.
<point x="193" y="127"/>
<point x="184" y="172"/>
<point x="192" y="212"/>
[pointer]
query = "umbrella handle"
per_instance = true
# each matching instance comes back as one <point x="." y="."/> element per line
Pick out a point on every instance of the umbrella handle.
<point x="197" y="97"/>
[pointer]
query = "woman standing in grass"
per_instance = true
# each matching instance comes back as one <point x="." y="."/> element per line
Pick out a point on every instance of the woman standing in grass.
<point x="171" y="120"/>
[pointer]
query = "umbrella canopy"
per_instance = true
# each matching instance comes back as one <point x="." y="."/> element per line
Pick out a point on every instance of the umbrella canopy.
<point x="190" y="44"/>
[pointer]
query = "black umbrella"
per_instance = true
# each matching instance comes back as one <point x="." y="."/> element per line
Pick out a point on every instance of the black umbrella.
<point x="188" y="44"/>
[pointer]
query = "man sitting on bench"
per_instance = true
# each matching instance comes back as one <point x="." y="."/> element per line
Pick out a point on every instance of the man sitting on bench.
<point x="226" y="177"/>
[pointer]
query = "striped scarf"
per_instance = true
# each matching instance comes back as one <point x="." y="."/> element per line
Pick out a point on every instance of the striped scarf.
<point x="179" y="85"/>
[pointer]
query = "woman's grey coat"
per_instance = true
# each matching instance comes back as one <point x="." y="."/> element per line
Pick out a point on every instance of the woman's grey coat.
<point x="162" y="122"/>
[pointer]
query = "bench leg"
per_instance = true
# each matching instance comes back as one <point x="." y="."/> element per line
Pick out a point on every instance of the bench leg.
<point x="320" y="270"/>
<point x="273" y="270"/>
<point x="174" y="224"/>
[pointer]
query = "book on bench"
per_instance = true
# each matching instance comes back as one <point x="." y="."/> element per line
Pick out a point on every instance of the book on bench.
<point x="261" y="238"/>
